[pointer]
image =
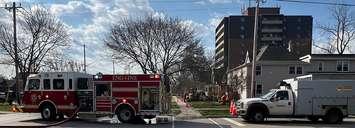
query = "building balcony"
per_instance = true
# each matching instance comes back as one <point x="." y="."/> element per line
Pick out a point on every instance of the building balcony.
<point x="271" y="39"/>
<point x="220" y="51"/>
<point x="220" y="36"/>
<point x="219" y="66"/>
<point x="220" y="44"/>
<point x="271" y="30"/>
<point x="220" y="29"/>
<point x="219" y="59"/>
<point x="272" y="22"/>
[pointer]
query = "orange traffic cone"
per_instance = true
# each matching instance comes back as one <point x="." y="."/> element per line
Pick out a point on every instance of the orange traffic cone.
<point x="230" y="106"/>
<point x="234" y="111"/>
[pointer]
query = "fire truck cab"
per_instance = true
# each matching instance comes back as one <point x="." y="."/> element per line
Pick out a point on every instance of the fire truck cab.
<point x="55" y="94"/>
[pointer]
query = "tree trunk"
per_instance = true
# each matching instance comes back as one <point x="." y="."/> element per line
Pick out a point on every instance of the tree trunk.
<point x="165" y="98"/>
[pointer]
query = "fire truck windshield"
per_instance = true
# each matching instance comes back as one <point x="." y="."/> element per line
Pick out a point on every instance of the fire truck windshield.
<point x="33" y="84"/>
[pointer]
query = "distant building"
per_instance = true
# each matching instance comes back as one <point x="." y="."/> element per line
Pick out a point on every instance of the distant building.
<point x="275" y="64"/>
<point x="234" y="37"/>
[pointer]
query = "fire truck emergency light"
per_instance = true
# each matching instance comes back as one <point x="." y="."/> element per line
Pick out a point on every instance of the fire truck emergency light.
<point x="98" y="76"/>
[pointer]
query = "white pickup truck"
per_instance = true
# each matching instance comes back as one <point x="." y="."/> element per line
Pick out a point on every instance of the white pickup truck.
<point x="331" y="100"/>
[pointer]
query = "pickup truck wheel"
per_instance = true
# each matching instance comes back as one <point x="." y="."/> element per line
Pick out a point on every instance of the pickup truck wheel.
<point x="333" y="116"/>
<point x="313" y="118"/>
<point x="257" y="116"/>
<point x="125" y="115"/>
<point x="48" y="112"/>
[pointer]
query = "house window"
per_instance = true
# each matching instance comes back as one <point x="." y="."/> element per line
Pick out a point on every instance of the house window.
<point x="299" y="70"/>
<point x="259" y="89"/>
<point x="343" y="66"/>
<point x="346" y="66"/>
<point x="46" y="84"/>
<point x="320" y="67"/>
<point x="58" y="84"/>
<point x="258" y="70"/>
<point x="291" y="70"/>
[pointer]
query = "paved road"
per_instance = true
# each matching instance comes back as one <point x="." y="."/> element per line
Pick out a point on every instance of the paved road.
<point x="27" y="119"/>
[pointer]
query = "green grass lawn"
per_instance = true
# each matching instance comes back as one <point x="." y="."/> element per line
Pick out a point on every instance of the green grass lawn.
<point x="174" y="105"/>
<point x="211" y="108"/>
<point x="176" y="111"/>
<point x="207" y="104"/>
<point x="4" y="107"/>
<point x="214" y="113"/>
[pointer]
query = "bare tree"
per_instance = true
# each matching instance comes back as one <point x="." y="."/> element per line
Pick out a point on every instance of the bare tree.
<point x="156" y="44"/>
<point x="40" y="33"/>
<point x="59" y="62"/>
<point x="341" y="33"/>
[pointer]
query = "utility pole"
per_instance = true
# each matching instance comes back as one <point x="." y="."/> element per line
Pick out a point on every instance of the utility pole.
<point x="13" y="9"/>
<point x="253" y="82"/>
<point x="84" y="58"/>
<point x="113" y="66"/>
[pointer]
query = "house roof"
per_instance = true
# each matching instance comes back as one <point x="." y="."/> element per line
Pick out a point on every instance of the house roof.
<point x="327" y="56"/>
<point x="333" y="55"/>
<point x="272" y="52"/>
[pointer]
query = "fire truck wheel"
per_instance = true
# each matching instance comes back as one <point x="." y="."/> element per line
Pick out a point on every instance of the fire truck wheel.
<point x="48" y="112"/>
<point x="125" y="114"/>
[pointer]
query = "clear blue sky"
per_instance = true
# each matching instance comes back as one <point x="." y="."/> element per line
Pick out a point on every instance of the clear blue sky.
<point x="89" y="20"/>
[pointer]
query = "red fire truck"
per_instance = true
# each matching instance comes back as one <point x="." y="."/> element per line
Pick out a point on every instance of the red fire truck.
<point x="55" y="94"/>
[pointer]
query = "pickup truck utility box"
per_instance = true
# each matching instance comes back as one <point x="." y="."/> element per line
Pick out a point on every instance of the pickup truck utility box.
<point x="331" y="100"/>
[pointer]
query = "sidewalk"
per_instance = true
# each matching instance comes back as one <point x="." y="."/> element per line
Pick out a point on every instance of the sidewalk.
<point x="187" y="112"/>
<point x="6" y="112"/>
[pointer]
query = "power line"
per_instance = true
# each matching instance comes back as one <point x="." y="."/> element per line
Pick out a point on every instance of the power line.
<point x="316" y="2"/>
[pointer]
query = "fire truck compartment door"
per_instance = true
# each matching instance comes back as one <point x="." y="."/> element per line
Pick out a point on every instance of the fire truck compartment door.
<point x="103" y="97"/>
<point x="149" y="98"/>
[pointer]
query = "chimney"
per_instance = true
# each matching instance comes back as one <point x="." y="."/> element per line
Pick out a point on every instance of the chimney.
<point x="290" y="46"/>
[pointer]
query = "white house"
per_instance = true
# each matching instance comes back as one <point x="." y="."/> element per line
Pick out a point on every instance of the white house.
<point x="275" y="64"/>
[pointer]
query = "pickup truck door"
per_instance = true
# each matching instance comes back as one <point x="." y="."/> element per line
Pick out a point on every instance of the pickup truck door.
<point x="283" y="103"/>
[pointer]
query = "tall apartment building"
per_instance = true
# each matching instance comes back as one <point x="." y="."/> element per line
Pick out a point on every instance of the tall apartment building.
<point x="234" y="36"/>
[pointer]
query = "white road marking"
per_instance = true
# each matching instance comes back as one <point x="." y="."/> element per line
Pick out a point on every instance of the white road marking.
<point x="215" y="123"/>
<point x="173" y="122"/>
<point x="234" y="122"/>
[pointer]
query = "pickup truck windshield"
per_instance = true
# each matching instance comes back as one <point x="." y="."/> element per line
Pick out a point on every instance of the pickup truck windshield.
<point x="268" y="95"/>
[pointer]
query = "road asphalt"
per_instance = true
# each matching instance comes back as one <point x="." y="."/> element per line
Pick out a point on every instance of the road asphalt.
<point x="34" y="120"/>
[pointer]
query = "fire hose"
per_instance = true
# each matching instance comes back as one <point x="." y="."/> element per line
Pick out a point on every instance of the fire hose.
<point x="15" y="107"/>
<point x="63" y="121"/>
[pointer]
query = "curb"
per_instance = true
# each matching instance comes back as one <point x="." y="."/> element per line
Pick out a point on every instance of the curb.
<point x="202" y="117"/>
